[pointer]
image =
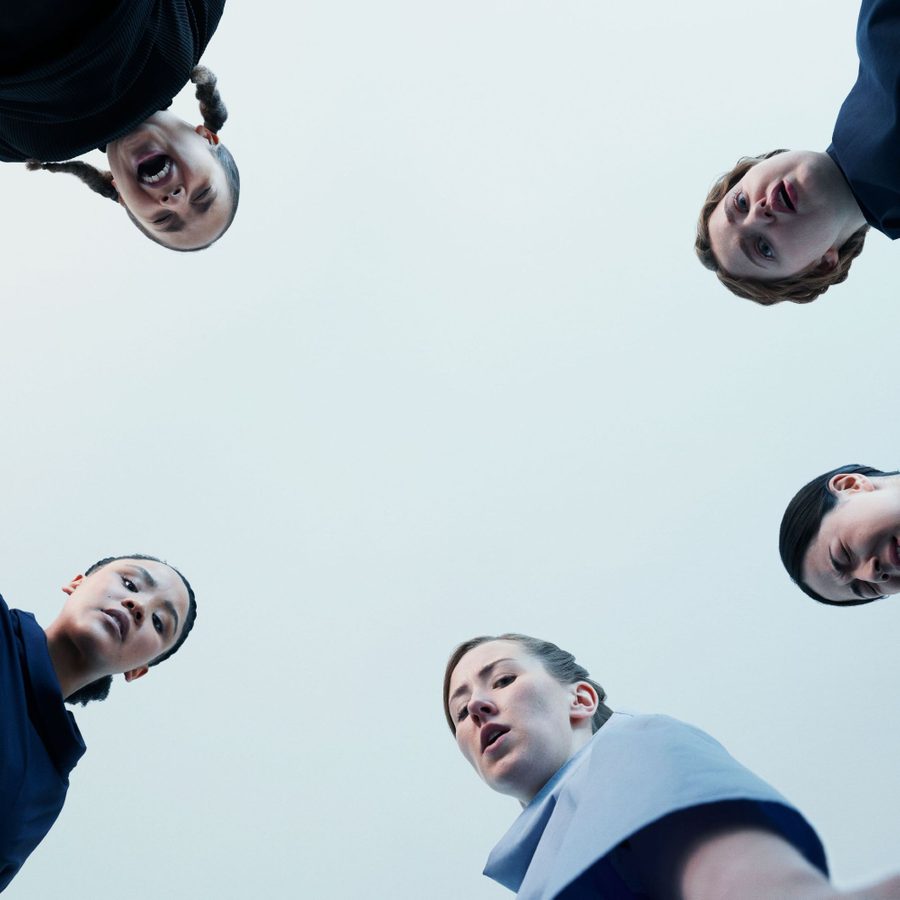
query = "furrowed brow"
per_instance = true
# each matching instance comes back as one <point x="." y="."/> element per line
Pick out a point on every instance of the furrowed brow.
<point x="175" y="225"/>
<point x="482" y="674"/>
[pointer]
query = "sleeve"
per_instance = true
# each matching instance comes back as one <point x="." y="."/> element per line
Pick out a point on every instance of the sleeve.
<point x="648" y="860"/>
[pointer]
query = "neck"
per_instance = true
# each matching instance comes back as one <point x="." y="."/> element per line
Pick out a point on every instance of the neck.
<point x="845" y="201"/>
<point x="68" y="662"/>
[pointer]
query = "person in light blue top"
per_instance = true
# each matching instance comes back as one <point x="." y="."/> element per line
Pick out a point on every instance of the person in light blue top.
<point x="619" y="806"/>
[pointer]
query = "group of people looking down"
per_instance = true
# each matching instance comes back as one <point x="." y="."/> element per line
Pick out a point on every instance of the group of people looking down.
<point x="614" y="805"/>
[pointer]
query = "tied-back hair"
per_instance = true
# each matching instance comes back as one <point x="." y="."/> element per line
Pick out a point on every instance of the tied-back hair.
<point x="803" y="287"/>
<point x="99" y="689"/>
<point x="214" y="113"/>
<point x="559" y="663"/>
<point x="802" y="520"/>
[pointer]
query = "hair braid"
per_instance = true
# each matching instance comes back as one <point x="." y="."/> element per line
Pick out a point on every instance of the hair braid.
<point x="96" y="179"/>
<point x="211" y="106"/>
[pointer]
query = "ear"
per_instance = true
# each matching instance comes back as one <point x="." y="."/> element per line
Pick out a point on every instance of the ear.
<point x="70" y="587"/>
<point x="118" y="193"/>
<point x="850" y="483"/>
<point x="583" y="703"/>
<point x="139" y="672"/>
<point x="204" y="132"/>
<point x="828" y="262"/>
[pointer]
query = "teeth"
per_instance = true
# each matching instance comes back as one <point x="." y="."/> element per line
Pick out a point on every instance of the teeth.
<point x="152" y="179"/>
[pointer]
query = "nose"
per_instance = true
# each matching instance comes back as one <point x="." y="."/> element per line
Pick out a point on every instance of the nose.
<point x="176" y="195"/>
<point x="480" y="709"/>
<point x="762" y="213"/>
<point x="871" y="570"/>
<point x="136" y="610"/>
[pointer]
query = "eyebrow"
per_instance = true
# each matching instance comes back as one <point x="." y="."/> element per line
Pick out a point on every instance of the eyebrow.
<point x="482" y="673"/>
<point x="177" y="223"/>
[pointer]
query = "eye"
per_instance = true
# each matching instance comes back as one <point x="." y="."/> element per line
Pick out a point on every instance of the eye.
<point x="202" y="195"/>
<point x="740" y="201"/>
<point x="463" y="712"/>
<point x="157" y="623"/>
<point x="129" y="584"/>
<point x="161" y="220"/>
<point x="504" y="681"/>
<point x="765" y="249"/>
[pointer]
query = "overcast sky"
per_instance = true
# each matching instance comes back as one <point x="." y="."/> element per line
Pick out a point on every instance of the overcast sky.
<point x="454" y="370"/>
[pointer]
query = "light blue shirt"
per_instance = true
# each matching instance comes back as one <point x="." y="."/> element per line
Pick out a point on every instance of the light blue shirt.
<point x="635" y="771"/>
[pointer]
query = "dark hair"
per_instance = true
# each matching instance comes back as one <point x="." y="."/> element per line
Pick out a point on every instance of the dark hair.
<point x="559" y="663"/>
<point x="214" y="113"/>
<point x="99" y="689"/>
<point x="802" y="520"/>
<point x="803" y="287"/>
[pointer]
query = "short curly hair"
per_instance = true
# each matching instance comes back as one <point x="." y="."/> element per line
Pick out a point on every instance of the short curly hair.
<point x="803" y="287"/>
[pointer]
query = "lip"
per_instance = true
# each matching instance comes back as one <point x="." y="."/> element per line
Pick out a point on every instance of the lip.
<point x="166" y="180"/>
<point x="776" y="201"/>
<point x="120" y="620"/>
<point x="893" y="553"/>
<point x="488" y="733"/>
<point x="792" y="193"/>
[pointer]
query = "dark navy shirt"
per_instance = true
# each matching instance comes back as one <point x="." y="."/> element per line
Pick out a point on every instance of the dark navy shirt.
<point x="866" y="140"/>
<point x="113" y="68"/>
<point x="39" y="740"/>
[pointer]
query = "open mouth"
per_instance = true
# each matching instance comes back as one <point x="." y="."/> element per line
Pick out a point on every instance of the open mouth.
<point x="154" y="169"/>
<point x="786" y="198"/>
<point x="491" y="736"/>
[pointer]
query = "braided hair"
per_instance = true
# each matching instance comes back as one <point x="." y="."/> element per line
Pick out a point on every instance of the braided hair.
<point x="214" y="113"/>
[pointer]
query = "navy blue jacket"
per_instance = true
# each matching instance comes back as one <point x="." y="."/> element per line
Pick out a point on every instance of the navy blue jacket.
<point x="116" y="63"/>
<point x="39" y="740"/>
<point x="866" y="140"/>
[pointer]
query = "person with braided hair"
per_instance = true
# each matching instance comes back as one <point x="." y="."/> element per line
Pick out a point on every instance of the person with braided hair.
<point x="102" y="75"/>
<point x="124" y="615"/>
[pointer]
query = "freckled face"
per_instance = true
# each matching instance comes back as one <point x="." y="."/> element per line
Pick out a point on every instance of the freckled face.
<point x="785" y="215"/>
<point x="856" y="553"/>
<point x="124" y="615"/>
<point x="512" y="718"/>
<point x="171" y="182"/>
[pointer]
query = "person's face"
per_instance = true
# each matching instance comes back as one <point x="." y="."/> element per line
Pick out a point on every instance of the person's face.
<point x="783" y="217"/>
<point x="514" y="721"/>
<point x="856" y="554"/>
<point x="124" y="615"/>
<point x="171" y="182"/>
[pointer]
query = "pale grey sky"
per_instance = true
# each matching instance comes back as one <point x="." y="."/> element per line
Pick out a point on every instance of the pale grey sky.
<point x="454" y="370"/>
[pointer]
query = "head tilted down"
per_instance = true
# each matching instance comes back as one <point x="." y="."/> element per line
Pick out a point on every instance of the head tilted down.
<point x="839" y="536"/>
<point x="781" y="226"/>
<point x="124" y="615"/>
<point x="519" y="707"/>
<point x="178" y="184"/>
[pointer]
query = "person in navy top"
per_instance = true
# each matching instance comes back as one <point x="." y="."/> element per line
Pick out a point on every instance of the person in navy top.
<point x="124" y="615"/>
<point x="787" y="225"/>
<point x="623" y="807"/>
<point x="101" y="74"/>
<point x="838" y="539"/>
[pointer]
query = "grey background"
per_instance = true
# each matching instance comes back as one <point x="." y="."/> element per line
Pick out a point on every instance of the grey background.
<point x="454" y="370"/>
